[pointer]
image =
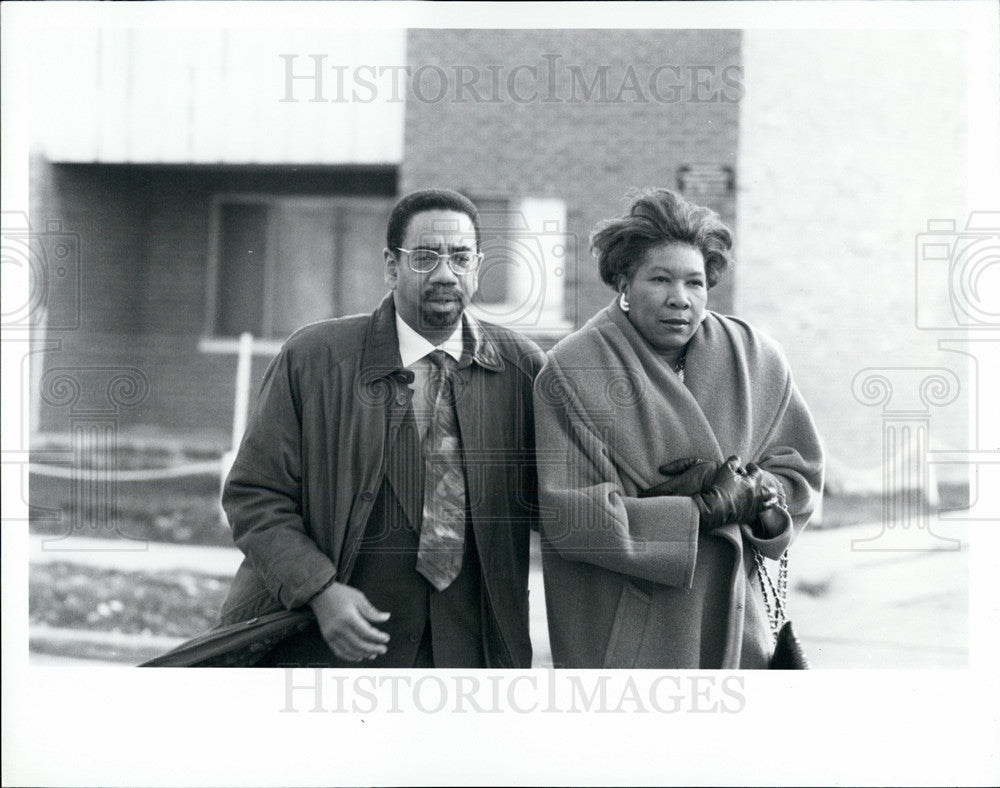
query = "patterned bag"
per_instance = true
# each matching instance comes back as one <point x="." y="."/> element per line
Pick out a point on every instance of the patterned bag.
<point x="788" y="653"/>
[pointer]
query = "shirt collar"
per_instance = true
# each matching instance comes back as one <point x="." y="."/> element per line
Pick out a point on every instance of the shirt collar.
<point x="413" y="347"/>
<point x="380" y="352"/>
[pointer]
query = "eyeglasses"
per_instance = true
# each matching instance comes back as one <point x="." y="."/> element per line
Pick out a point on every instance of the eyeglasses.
<point x="423" y="261"/>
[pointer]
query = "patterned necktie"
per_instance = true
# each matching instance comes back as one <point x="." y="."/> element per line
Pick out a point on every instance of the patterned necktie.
<point x="442" y="531"/>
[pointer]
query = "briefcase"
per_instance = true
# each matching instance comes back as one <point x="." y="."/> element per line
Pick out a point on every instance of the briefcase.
<point x="239" y="645"/>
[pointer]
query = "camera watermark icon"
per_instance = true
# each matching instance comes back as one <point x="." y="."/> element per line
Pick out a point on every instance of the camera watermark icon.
<point x="982" y="458"/>
<point x="958" y="273"/>
<point x="527" y="255"/>
<point x="957" y="281"/>
<point x="41" y="273"/>
<point x="94" y="396"/>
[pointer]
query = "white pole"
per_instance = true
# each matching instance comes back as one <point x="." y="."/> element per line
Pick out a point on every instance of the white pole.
<point x="242" y="400"/>
<point x="241" y="403"/>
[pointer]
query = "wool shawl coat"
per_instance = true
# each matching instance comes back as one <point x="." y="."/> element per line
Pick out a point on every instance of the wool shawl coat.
<point x="629" y="581"/>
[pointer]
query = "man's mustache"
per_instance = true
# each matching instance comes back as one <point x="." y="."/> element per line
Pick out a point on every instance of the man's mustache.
<point x="440" y="292"/>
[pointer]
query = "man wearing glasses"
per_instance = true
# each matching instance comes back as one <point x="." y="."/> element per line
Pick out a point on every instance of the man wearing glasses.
<point x="386" y="479"/>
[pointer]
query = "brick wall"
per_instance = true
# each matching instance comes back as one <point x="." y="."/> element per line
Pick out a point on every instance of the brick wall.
<point x="487" y="140"/>
<point x="144" y="229"/>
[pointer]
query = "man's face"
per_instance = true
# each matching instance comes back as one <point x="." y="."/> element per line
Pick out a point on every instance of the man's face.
<point x="433" y="302"/>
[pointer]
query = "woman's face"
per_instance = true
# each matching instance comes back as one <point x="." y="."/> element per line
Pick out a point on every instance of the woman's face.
<point x="667" y="296"/>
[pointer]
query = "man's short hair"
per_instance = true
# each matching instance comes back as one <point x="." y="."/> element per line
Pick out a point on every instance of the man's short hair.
<point x="427" y="200"/>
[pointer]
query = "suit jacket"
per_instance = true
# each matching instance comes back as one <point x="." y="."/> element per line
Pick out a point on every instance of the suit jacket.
<point x="629" y="581"/>
<point x="314" y="456"/>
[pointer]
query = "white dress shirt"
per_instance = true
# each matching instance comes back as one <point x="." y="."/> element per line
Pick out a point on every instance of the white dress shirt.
<point x="413" y="350"/>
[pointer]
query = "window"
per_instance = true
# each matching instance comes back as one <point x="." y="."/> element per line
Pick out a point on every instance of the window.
<point x="278" y="263"/>
<point x="527" y="253"/>
<point x="243" y="231"/>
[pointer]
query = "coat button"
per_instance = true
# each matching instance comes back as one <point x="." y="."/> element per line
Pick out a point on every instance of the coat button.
<point x="414" y="638"/>
<point x="367" y="495"/>
<point x="400" y="399"/>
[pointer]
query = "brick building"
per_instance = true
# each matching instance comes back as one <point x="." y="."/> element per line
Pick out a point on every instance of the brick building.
<point x="255" y="199"/>
<point x="248" y="191"/>
<point x="581" y="117"/>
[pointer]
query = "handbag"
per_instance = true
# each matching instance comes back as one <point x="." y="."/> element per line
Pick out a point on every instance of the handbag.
<point x="239" y="645"/>
<point x="788" y="652"/>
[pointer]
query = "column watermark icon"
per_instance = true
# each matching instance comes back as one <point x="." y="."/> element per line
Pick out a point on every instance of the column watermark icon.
<point x="95" y="397"/>
<point x="40" y="303"/>
<point x="961" y="266"/>
<point x="906" y="395"/>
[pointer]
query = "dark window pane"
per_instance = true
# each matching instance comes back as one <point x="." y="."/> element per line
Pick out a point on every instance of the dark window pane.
<point x="306" y="265"/>
<point x="242" y="269"/>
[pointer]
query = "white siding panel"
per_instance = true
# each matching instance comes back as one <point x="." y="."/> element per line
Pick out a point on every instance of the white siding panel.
<point x="842" y="165"/>
<point x="239" y="128"/>
<point x="63" y="110"/>
<point x="212" y="96"/>
<point x="207" y="125"/>
<point x="111" y="96"/>
<point x="158" y="98"/>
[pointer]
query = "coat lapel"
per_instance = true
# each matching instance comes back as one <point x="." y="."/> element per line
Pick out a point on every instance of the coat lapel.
<point x="481" y="360"/>
<point x="405" y="468"/>
<point x="379" y="412"/>
<point x="470" y="389"/>
<point x="669" y="416"/>
<point x="716" y="376"/>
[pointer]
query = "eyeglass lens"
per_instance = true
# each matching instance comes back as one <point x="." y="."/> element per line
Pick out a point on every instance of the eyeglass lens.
<point x="426" y="260"/>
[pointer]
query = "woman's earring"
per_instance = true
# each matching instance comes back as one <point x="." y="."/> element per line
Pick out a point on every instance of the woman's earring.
<point x="623" y="302"/>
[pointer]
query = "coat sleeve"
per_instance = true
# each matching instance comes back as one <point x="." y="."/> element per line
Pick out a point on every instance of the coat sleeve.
<point x="587" y="514"/>
<point x="262" y="496"/>
<point x="792" y="451"/>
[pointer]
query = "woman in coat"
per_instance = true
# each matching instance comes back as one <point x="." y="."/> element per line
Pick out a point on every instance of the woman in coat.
<point x="647" y="527"/>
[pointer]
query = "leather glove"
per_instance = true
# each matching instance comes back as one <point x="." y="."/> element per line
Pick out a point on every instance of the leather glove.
<point x="734" y="496"/>
<point x="768" y="485"/>
<point x="769" y="522"/>
<point x="687" y="476"/>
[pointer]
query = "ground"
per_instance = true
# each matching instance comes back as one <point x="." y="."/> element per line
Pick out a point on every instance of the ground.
<point x="123" y="594"/>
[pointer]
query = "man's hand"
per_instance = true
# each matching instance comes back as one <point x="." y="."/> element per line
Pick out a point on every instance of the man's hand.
<point x="345" y="619"/>
<point x="736" y="495"/>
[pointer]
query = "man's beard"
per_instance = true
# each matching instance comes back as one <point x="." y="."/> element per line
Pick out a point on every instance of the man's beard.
<point x="433" y="318"/>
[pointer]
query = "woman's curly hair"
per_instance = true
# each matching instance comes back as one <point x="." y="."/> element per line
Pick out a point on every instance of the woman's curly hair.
<point x="659" y="217"/>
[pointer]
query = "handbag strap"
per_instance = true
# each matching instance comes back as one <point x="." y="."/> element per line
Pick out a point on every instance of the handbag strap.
<point x="775" y="594"/>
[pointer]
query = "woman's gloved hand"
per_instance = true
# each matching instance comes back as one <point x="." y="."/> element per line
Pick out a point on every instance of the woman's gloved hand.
<point x="687" y="476"/>
<point x="772" y="517"/>
<point x="770" y="486"/>
<point x="735" y="495"/>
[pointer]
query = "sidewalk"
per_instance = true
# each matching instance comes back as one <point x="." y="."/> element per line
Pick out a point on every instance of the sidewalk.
<point x="854" y="605"/>
<point x="858" y="606"/>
